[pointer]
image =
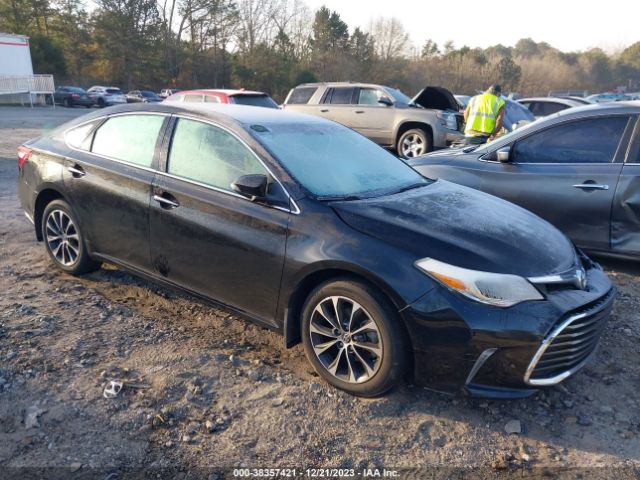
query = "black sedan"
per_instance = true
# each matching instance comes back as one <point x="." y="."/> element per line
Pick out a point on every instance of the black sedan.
<point x="579" y="169"/>
<point x="72" y="96"/>
<point x="308" y="228"/>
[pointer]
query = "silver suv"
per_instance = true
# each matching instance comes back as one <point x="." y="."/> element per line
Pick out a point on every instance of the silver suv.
<point x="385" y="115"/>
<point x="106" y="96"/>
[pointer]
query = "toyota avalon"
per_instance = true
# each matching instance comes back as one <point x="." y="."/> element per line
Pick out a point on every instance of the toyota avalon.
<point x="308" y="228"/>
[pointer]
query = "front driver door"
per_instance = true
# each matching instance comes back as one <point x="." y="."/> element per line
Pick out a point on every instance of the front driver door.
<point x="567" y="174"/>
<point x="371" y="118"/>
<point x="206" y="237"/>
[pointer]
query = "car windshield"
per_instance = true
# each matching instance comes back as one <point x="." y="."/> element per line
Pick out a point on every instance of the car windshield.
<point x="255" y="100"/>
<point x="334" y="162"/>
<point x="397" y="95"/>
<point x="115" y="91"/>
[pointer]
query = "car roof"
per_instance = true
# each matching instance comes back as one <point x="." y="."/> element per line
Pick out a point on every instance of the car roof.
<point x="340" y="84"/>
<point x="225" y="91"/>
<point x="565" y="101"/>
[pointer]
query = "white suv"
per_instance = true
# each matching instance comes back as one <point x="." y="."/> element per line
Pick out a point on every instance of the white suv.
<point x="107" y="96"/>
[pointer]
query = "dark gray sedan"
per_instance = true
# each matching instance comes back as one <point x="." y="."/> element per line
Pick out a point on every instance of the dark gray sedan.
<point x="579" y="169"/>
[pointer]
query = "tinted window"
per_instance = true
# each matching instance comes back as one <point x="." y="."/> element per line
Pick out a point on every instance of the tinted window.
<point x="370" y="96"/>
<point x="339" y="95"/>
<point x="193" y="98"/>
<point x="209" y="155"/>
<point x="255" y="100"/>
<point x="301" y="95"/>
<point x="542" y="109"/>
<point x="330" y="160"/>
<point x="131" y="138"/>
<point x="585" y="141"/>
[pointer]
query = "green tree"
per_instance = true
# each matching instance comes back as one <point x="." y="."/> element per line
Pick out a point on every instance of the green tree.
<point x="509" y="73"/>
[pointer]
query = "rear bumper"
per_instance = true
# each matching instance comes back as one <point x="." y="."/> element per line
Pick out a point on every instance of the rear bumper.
<point x="463" y="346"/>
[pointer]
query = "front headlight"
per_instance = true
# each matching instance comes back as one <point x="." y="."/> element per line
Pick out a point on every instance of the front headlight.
<point x="501" y="290"/>
<point x="448" y="119"/>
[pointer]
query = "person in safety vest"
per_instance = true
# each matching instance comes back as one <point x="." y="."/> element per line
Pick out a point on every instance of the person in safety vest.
<point x="484" y="115"/>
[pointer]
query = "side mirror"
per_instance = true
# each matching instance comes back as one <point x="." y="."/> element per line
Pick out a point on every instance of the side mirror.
<point x="504" y="154"/>
<point x="252" y="186"/>
<point x="385" y="101"/>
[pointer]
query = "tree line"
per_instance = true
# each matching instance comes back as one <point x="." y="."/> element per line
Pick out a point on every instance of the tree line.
<point x="272" y="45"/>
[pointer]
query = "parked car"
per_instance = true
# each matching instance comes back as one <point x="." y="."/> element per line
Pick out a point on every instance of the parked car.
<point x="545" y="106"/>
<point x="106" y="96"/>
<point x="309" y="228"/>
<point x="167" y="92"/>
<point x="72" y="96"/>
<point x="144" y="96"/>
<point x="240" y="97"/>
<point x="579" y="169"/>
<point x="463" y="101"/>
<point x="385" y="115"/>
<point x="608" y="97"/>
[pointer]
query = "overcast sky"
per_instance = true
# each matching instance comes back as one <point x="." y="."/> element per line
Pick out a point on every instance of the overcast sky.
<point x="565" y="24"/>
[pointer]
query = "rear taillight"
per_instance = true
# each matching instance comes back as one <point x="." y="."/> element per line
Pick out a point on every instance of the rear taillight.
<point x="23" y="155"/>
<point x="75" y="95"/>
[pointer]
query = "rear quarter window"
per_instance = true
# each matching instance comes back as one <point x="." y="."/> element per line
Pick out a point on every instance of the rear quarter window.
<point x="301" y="95"/>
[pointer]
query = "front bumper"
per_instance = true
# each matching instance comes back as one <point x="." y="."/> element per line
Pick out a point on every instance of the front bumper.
<point x="461" y="345"/>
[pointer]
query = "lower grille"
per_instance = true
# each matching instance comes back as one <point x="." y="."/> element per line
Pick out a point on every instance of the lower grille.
<point x="569" y="345"/>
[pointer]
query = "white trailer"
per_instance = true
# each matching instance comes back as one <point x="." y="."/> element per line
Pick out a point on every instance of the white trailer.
<point x="16" y="71"/>
<point x="15" y="56"/>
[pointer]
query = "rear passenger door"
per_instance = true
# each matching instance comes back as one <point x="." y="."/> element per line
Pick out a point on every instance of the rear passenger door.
<point x="337" y="104"/>
<point x="206" y="237"/>
<point x="108" y="178"/>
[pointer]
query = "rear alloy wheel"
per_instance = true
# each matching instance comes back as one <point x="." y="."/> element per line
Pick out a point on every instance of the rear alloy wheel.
<point x="352" y="339"/>
<point x="413" y="143"/>
<point x="63" y="240"/>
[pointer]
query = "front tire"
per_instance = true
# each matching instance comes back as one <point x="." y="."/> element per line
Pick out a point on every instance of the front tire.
<point x="413" y="143"/>
<point x="64" y="241"/>
<point x="353" y="339"/>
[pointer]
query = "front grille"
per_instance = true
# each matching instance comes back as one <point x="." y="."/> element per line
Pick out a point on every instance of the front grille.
<point x="570" y="344"/>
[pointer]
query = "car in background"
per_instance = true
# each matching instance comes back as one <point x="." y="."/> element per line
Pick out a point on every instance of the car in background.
<point x="545" y="106"/>
<point x="72" y="96"/>
<point x="578" y="169"/>
<point x="463" y="101"/>
<point x="608" y="97"/>
<point x="106" y="96"/>
<point x="411" y="126"/>
<point x="312" y="230"/>
<point x="568" y="93"/>
<point x="238" y="97"/>
<point x="144" y="96"/>
<point x="167" y="92"/>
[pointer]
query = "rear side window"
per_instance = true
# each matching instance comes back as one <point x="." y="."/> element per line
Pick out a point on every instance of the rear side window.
<point x="192" y="97"/>
<point x="585" y="141"/>
<point x="79" y="137"/>
<point x="209" y="155"/>
<point x="114" y="91"/>
<point x="130" y="138"/>
<point x="211" y="99"/>
<point x="255" y="100"/>
<point x="175" y="98"/>
<point x="301" y="95"/>
<point x="339" y="96"/>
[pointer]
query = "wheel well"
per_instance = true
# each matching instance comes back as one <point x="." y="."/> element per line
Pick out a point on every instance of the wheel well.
<point x="304" y="289"/>
<point x="410" y="125"/>
<point x="44" y="198"/>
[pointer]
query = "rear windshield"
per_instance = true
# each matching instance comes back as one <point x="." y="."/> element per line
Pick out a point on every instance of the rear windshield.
<point x="255" y="100"/>
<point x="75" y="89"/>
<point x="301" y="95"/>
<point x="115" y="91"/>
<point x="334" y="162"/>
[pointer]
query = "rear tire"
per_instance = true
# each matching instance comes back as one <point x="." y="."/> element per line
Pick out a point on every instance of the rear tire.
<point x="64" y="241"/>
<point x="413" y="143"/>
<point x="67" y="103"/>
<point x="101" y="103"/>
<point x="353" y="339"/>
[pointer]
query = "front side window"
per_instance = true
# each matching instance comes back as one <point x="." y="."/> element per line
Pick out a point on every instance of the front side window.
<point x="370" y="96"/>
<point x="210" y="155"/>
<point x="584" y="141"/>
<point x="130" y="138"/>
<point x="332" y="161"/>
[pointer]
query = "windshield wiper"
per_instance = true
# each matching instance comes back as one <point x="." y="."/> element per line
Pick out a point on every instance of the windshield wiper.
<point x="470" y="149"/>
<point x="410" y="187"/>
<point x="333" y="198"/>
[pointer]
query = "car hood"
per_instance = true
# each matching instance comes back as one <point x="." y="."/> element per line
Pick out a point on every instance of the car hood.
<point x="436" y="98"/>
<point x="462" y="227"/>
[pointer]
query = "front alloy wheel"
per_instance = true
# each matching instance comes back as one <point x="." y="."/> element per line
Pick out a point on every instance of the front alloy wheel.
<point x="353" y="337"/>
<point x="413" y="143"/>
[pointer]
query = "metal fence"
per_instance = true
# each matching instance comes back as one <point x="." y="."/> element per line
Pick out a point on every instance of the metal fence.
<point x="27" y="84"/>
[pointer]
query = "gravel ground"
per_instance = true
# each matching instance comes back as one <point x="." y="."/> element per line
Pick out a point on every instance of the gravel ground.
<point x="205" y="391"/>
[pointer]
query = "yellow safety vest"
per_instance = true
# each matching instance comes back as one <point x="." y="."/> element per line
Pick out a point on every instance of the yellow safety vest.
<point x="483" y="112"/>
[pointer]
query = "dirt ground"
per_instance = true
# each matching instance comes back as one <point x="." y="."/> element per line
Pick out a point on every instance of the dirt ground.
<point x="208" y="392"/>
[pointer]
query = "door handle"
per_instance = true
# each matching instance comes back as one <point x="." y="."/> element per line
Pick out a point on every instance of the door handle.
<point x="165" y="202"/>
<point x="359" y="111"/>
<point x="77" y="171"/>
<point x="324" y="110"/>
<point x="591" y="186"/>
